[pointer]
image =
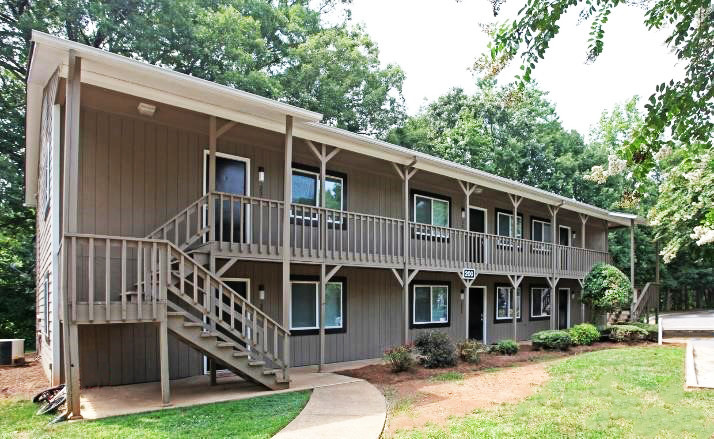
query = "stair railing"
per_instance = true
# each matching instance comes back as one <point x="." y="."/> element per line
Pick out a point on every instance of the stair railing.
<point x="187" y="226"/>
<point x="115" y="279"/>
<point x="647" y="299"/>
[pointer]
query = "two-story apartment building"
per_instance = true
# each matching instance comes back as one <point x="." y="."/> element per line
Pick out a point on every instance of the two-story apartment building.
<point x="180" y="221"/>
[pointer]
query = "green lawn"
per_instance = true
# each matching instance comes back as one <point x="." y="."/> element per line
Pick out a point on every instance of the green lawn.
<point x="617" y="393"/>
<point x="249" y="418"/>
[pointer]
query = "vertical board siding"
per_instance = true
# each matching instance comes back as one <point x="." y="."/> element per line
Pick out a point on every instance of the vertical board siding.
<point x="126" y="353"/>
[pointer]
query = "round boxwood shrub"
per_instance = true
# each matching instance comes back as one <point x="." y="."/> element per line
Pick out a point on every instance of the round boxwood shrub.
<point x="400" y="358"/>
<point x="584" y="334"/>
<point x="470" y="351"/>
<point x="551" y="339"/>
<point x="652" y="330"/>
<point x="505" y="347"/>
<point x="606" y="289"/>
<point x="622" y="333"/>
<point x="435" y="349"/>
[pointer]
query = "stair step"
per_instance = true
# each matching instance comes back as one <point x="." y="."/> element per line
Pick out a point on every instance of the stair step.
<point x="207" y="334"/>
<point x="256" y="363"/>
<point x="226" y="344"/>
<point x="193" y="325"/>
<point x="271" y="371"/>
<point x="241" y="354"/>
<point x="176" y="314"/>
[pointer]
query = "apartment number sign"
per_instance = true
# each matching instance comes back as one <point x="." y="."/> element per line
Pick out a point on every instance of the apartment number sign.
<point x="469" y="273"/>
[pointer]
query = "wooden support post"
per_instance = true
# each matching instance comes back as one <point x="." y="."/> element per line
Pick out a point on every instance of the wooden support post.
<point x="657" y="281"/>
<point x="583" y="221"/>
<point x="467" y="293"/>
<point x="555" y="259"/>
<point x="212" y="369"/>
<point x="322" y="316"/>
<point x="164" y="361"/>
<point x="515" y="304"/>
<point x="287" y="200"/>
<point x="70" y="333"/>
<point x="212" y="145"/>
<point x="406" y="173"/>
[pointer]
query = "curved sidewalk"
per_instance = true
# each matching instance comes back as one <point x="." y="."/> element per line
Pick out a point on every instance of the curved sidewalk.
<point x="352" y="410"/>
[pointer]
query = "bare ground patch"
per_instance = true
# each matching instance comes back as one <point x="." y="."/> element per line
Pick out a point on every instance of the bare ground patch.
<point x="22" y="381"/>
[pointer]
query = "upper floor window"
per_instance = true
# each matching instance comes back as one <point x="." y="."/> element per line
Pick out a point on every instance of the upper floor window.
<point x="431" y="210"/>
<point x="504" y="224"/>
<point x="541" y="230"/>
<point x="306" y="189"/>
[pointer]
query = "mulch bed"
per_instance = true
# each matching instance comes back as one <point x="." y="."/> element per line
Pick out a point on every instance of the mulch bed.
<point x="382" y="375"/>
<point x="22" y="381"/>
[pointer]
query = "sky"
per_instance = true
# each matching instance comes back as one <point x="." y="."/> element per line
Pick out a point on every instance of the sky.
<point x="436" y="42"/>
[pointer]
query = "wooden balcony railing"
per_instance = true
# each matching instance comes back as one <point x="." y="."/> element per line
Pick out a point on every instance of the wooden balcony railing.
<point x="110" y="279"/>
<point x="253" y="227"/>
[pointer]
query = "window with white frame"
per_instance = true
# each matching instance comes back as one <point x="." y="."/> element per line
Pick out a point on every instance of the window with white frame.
<point x="306" y="189"/>
<point x="48" y="173"/>
<point x="504" y="225"/>
<point x="540" y="302"/>
<point x="306" y="305"/>
<point x="430" y="304"/>
<point x="541" y="231"/>
<point x="504" y="308"/>
<point x="430" y="210"/>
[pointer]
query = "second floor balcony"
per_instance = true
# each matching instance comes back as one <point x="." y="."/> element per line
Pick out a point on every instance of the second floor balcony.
<point x="252" y="228"/>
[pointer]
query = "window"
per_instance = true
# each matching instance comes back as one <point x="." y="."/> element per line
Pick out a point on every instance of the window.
<point x="306" y="189"/>
<point x="541" y="230"/>
<point x="504" y="225"/>
<point x="431" y="211"/>
<point x="306" y="305"/>
<point x="430" y="305"/>
<point x="48" y="174"/>
<point x="540" y="302"/>
<point x="504" y="309"/>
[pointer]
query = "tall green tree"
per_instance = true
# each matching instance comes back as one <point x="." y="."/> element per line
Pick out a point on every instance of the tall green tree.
<point x="281" y="49"/>
<point x="676" y="138"/>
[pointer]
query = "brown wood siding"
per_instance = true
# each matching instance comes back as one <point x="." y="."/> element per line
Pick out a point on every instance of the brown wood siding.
<point x="112" y="355"/>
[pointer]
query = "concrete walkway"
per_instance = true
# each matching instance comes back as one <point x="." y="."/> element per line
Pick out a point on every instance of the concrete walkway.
<point x="354" y="410"/>
<point x="700" y="367"/>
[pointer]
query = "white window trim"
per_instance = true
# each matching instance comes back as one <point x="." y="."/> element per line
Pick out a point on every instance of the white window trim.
<point x="485" y="218"/>
<point x="510" y="218"/>
<point x="431" y="308"/>
<point x="317" y="305"/>
<point x="318" y="184"/>
<point x="570" y="236"/>
<point x="542" y="225"/>
<point x="443" y="200"/>
<point x="519" y="299"/>
<point x="46" y="306"/>
<point x="541" y="296"/>
<point x="206" y="158"/>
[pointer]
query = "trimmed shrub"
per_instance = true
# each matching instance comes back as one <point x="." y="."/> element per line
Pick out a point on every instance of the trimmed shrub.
<point x="400" y="358"/>
<point x="622" y="333"/>
<point x="584" y="334"/>
<point x="652" y="330"/>
<point x="505" y="347"/>
<point x="551" y="339"/>
<point x="606" y="289"/>
<point x="435" y="349"/>
<point x="470" y="351"/>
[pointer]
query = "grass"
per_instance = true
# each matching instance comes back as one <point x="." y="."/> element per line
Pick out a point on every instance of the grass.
<point x="249" y="418"/>
<point x="448" y="376"/>
<point x="616" y="393"/>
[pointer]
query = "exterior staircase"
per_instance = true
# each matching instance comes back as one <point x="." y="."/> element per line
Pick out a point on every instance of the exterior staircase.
<point x="229" y="333"/>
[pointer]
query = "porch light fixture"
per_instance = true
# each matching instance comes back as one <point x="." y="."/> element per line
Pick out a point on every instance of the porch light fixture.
<point x="574" y="235"/>
<point x="463" y="295"/>
<point x="145" y="109"/>
<point x="261" y="292"/>
<point x="463" y="213"/>
<point x="261" y="175"/>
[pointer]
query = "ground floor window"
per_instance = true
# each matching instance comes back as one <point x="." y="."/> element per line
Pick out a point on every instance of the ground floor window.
<point x="504" y="307"/>
<point x="305" y="306"/>
<point x="430" y="304"/>
<point x="540" y="302"/>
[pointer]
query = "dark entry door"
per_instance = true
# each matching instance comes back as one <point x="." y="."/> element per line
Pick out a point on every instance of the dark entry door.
<point x="231" y="178"/>
<point x="477" y="223"/>
<point x="563" y="302"/>
<point x="476" y="313"/>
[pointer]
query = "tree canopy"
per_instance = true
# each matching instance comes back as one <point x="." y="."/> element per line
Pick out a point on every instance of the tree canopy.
<point x="278" y="49"/>
<point x="675" y="140"/>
